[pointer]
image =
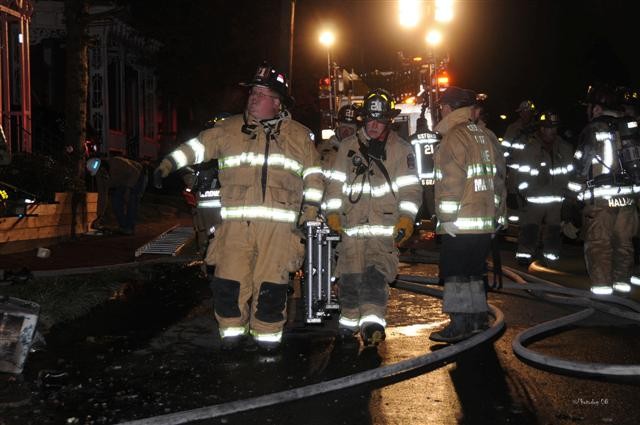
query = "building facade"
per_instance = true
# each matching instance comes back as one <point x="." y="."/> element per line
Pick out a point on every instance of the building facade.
<point x="15" y="79"/>
<point x="125" y="111"/>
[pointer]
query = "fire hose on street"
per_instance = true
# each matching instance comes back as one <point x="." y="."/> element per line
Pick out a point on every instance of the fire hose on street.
<point x="548" y="291"/>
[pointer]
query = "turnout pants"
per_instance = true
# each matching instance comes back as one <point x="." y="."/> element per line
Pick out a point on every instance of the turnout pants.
<point x="608" y="248"/>
<point x="365" y="268"/>
<point x="532" y="217"/>
<point x="463" y="263"/>
<point x="253" y="261"/>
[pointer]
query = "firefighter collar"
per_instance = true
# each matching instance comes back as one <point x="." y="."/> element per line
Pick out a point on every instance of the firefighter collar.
<point x="459" y="116"/>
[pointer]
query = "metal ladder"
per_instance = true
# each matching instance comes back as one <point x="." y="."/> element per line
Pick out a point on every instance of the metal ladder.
<point x="168" y="243"/>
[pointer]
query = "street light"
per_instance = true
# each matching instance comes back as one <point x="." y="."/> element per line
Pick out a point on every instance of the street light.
<point x="444" y="11"/>
<point x="327" y="38"/>
<point x="433" y="38"/>
<point x="409" y="13"/>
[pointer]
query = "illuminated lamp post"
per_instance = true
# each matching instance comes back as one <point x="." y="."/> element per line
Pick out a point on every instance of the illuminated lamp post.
<point x="327" y="38"/>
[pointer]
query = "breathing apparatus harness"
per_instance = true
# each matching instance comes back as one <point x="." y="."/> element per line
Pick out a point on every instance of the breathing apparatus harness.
<point x="271" y="129"/>
<point x="373" y="152"/>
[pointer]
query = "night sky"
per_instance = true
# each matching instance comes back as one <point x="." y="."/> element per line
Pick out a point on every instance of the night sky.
<point x="511" y="49"/>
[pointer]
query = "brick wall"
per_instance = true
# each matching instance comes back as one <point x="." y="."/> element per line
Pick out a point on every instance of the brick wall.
<point x="47" y="223"/>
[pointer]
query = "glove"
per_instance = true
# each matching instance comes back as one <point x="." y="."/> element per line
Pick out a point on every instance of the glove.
<point x="309" y="213"/>
<point x="334" y="222"/>
<point x="160" y="173"/>
<point x="403" y="229"/>
<point x="450" y="228"/>
<point x="569" y="230"/>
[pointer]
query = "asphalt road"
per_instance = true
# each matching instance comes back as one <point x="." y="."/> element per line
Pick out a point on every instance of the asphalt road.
<point x="163" y="357"/>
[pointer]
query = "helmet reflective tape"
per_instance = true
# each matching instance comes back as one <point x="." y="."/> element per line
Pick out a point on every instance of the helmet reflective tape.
<point x="267" y="336"/>
<point x="179" y="158"/>
<point x="332" y="204"/>
<point x="449" y="207"/>
<point x="544" y="199"/>
<point x="368" y="230"/>
<point x="314" y="195"/>
<point x="198" y="150"/>
<point x="409" y="207"/>
<point x="376" y="105"/>
<point x="232" y="331"/>
<point x="348" y="323"/>
<point x="602" y="290"/>
<point x="372" y="318"/>
<point x="258" y="212"/>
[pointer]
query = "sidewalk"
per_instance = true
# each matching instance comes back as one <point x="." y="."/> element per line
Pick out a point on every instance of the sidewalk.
<point x="92" y="251"/>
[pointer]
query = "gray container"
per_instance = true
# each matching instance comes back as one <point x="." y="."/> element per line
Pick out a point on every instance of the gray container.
<point x="18" y="319"/>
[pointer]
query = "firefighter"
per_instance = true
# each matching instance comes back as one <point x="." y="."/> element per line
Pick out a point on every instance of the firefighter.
<point x="202" y="194"/>
<point x="470" y="206"/>
<point x="348" y="121"/>
<point x="525" y="124"/>
<point x="542" y="176"/>
<point x="270" y="183"/>
<point x="607" y="191"/>
<point x="514" y="141"/>
<point x="372" y="199"/>
<point x="124" y="181"/>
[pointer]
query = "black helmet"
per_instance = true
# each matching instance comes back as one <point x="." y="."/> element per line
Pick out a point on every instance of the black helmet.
<point x="549" y="119"/>
<point x="604" y="95"/>
<point x="379" y="105"/>
<point x="526" y="105"/>
<point x="457" y="97"/>
<point x="348" y="114"/>
<point x="267" y="76"/>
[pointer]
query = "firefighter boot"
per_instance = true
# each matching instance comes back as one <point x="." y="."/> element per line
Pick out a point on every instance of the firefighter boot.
<point x="458" y="329"/>
<point x="372" y="334"/>
<point x="479" y="322"/>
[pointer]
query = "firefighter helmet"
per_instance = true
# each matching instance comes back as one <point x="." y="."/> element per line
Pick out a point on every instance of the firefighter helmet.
<point x="457" y="97"/>
<point x="526" y="105"/>
<point x="93" y="165"/>
<point x="604" y="95"/>
<point x="267" y="76"/>
<point x="549" y="119"/>
<point x="348" y="114"/>
<point x="379" y="106"/>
